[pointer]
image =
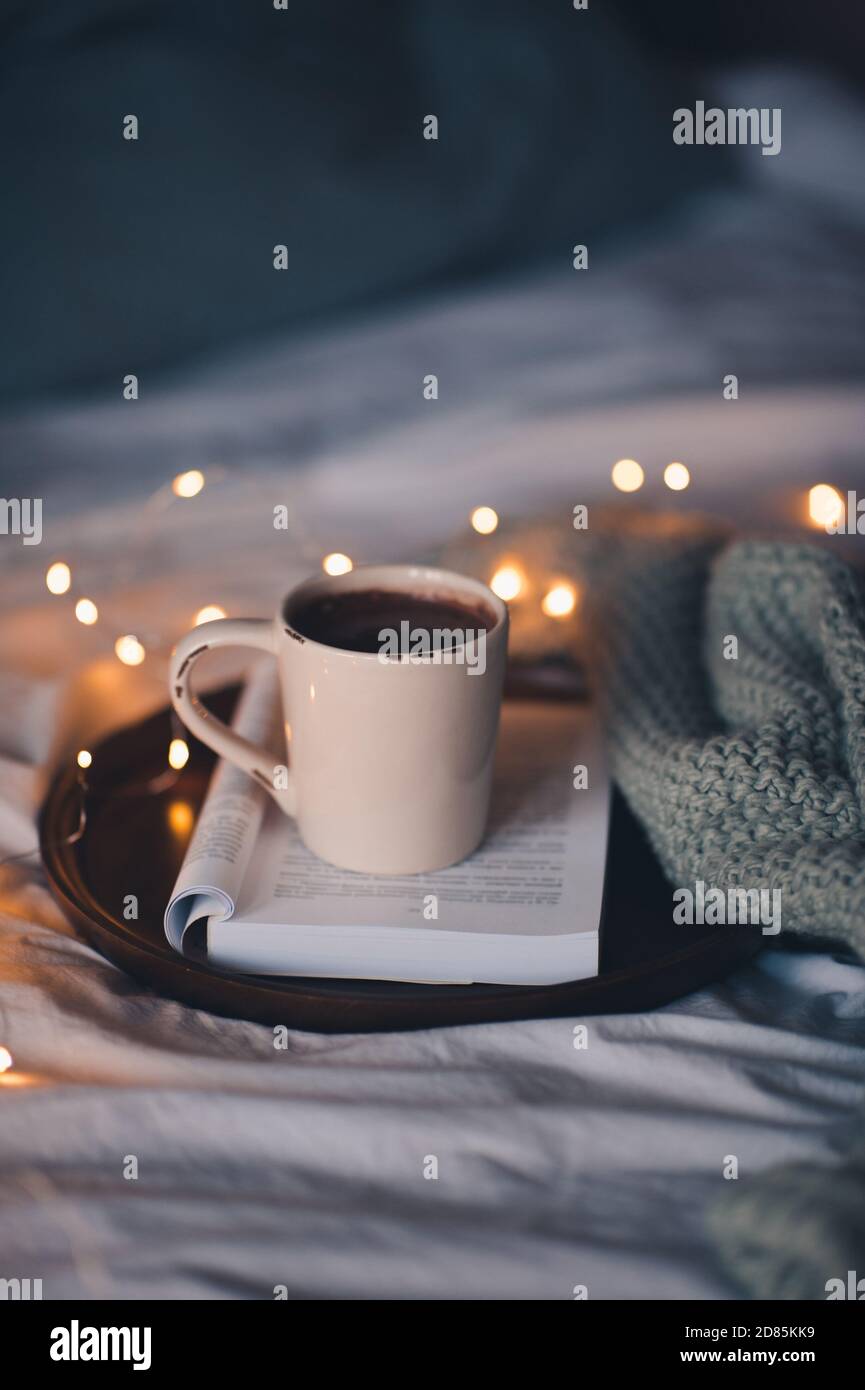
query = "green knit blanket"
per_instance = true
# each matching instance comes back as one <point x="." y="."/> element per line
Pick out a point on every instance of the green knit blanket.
<point x="748" y="770"/>
<point x="735" y="679"/>
<point x="737" y="718"/>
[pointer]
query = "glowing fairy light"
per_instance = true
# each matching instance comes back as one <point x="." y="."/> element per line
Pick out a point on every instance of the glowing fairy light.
<point x="825" y="505"/>
<point x="559" y="601"/>
<point x="129" y="650"/>
<point x="84" y="758"/>
<point x="627" y="475"/>
<point x="337" y="563"/>
<point x="208" y="614"/>
<point x="676" y="476"/>
<point x="507" y="582"/>
<point x="484" y="520"/>
<point x="5" y="1059"/>
<point x="181" y="817"/>
<point x="58" y="578"/>
<point x="86" y="611"/>
<point x="178" y="753"/>
<point x="188" y="484"/>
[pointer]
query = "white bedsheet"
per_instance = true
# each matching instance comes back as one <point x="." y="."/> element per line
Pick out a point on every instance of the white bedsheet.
<point x="305" y="1168"/>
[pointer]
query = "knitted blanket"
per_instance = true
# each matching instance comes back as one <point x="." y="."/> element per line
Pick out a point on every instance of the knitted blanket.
<point x="745" y="761"/>
<point x="735" y="679"/>
<point x="737" y="717"/>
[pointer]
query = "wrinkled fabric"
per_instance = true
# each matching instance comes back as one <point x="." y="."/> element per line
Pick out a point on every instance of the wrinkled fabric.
<point x="304" y="1168"/>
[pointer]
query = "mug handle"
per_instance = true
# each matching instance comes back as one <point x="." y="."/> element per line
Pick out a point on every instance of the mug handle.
<point x="226" y="632"/>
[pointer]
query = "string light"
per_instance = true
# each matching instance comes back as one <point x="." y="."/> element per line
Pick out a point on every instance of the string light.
<point x="86" y="611"/>
<point x="627" y="475"/>
<point x="58" y="578"/>
<point x="129" y="650"/>
<point x="825" y="505"/>
<point x="178" y="753"/>
<point x="5" y="1059"/>
<point x="676" y="476"/>
<point x="507" y="582"/>
<point x="180" y="817"/>
<point x="337" y="563"/>
<point x="560" y="601"/>
<point x="484" y="520"/>
<point x="208" y="614"/>
<point x="188" y="484"/>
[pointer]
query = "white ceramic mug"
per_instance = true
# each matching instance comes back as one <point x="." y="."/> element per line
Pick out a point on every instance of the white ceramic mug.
<point x="390" y="763"/>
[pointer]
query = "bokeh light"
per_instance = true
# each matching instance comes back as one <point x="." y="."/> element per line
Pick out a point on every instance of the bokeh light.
<point x="58" y="578"/>
<point x="559" y="601"/>
<point x="676" y="476"/>
<point x="180" y="817"/>
<point x="208" y="614"/>
<point x="178" y="753"/>
<point x="825" y="505"/>
<point x="188" y="484"/>
<point x="484" y="520"/>
<point x="129" y="650"/>
<point x="336" y="563"/>
<point x="507" y="582"/>
<point x="86" y="611"/>
<point x="627" y="475"/>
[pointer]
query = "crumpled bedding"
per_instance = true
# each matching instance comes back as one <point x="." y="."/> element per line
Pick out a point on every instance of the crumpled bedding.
<point x="304" y="1169"/>
<point x="260" y="1168"/>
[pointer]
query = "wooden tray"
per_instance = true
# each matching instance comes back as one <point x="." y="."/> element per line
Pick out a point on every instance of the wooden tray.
<point x="134" y="841"/>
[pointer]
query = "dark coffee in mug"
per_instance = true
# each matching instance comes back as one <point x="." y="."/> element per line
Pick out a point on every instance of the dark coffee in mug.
<point x="355" y="620"/>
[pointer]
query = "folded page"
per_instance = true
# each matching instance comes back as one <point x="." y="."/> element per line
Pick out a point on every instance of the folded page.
<point x="224" y="839"/>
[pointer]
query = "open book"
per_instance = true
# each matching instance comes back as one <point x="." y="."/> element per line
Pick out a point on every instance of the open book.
<point x="524" y="909"/>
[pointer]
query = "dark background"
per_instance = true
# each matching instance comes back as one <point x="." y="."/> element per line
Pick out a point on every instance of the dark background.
<point x="261" y="127"/>
<point x="832" y="33"/>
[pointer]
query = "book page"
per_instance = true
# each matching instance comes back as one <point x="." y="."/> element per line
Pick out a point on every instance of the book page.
<point x="539" y="871"/>
<point x="228" y="825"/>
